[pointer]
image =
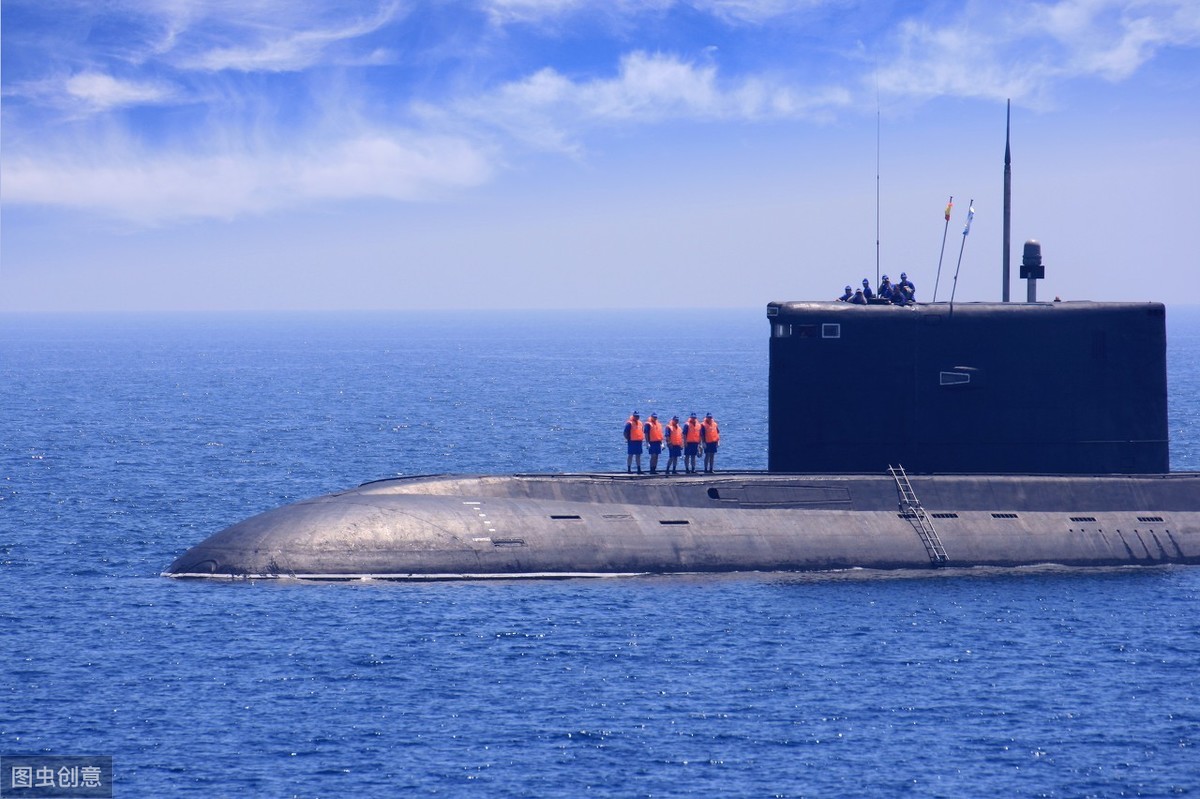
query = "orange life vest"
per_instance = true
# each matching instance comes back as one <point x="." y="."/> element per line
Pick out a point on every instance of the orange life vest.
<point x="674" y="434"/>
<point x="693" y="432"/>
<point x="635" y="430"/>
<point x="711" y="433"/>
<point x="655" y="432"/>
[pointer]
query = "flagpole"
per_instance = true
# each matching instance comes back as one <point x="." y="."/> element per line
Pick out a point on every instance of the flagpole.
<point x="966" y="231"/>
<point x="941" y="255"/>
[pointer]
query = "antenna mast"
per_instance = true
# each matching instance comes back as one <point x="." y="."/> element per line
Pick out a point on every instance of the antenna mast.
<point x="1007" y="198"/>
<point x="877" y="135"/>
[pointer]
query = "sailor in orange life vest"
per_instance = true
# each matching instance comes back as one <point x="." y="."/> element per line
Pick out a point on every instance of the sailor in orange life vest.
<point x="674" y="445"/>
<point x="634" y="435"/>
<point x="711" y="434"/>
<point x="691" y="444"/>
<point x="654" y="437"/>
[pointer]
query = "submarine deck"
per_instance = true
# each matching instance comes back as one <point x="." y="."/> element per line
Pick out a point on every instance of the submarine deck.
<point x="564" y="525"/>
<point x="1176" y="491"/>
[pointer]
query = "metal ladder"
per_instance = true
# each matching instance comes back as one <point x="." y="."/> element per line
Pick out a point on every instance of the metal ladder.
<point x="910" y="508"/>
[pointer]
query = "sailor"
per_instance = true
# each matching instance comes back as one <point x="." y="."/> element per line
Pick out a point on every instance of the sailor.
<point x="885" y="288"/>
<point x="654" y="437"/>
<point x="866" y="289"/>
<point x="674" y="445"/>
<point x="908" y="286"/>
<point x="634" y="435"/>
<point x="691" y="443"/>
<point x="711" y="435"/>
<point x="846" y="297"/>
<point x="858" y="298"/>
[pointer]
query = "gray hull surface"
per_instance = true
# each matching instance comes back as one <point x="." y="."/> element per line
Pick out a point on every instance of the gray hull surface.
<point x="454" y="527"/>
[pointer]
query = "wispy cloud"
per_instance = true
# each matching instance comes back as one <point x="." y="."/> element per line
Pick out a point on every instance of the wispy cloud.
<point x="1026" y="51"/>
<point x="760" y="11"/>
<point x="551" y="111"/>
<point x="264" y="47"/>
<point x="1113" y="39"/>
<point x="148" y="188"/>
<point x="244" y="141"/>
<point x="103" y="92"/>
<point x="748" y="11"/>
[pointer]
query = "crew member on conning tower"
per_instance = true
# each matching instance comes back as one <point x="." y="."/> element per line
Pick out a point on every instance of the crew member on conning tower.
<point x="886" y="288"/>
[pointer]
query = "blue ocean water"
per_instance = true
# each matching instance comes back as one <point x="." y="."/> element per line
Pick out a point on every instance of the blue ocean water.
<point x="127" y="439"/>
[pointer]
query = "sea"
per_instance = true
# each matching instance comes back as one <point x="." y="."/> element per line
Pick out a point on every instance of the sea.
<point x="125" y="439"/>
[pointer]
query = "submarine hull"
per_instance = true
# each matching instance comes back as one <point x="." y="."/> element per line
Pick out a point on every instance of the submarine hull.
<point x="464" y="527"/>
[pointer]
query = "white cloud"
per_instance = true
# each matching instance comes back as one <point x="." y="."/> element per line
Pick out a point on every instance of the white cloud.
<point x="959" y="61"/>
<point x="998" y="50"/>
<point x="131" y="184"/>
<point x="757" y="11"/>
<point x="1113" y="39"/>
<point x="275" y="49"/>
<point x="283" y="48"/>
<point x="549" y="110"/>
<point x="742" y="11"/>
<point x="102" y="92"/>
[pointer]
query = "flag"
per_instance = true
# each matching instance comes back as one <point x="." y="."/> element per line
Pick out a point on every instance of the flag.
<point x="949" y="205"/>
<point x="970" y="216"/>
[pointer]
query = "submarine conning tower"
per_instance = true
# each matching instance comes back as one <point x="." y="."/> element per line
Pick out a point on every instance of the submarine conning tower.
<point x="999" y="388"/>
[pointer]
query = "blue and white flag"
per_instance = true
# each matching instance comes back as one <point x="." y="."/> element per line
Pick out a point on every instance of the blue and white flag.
<point x="970" y="216"/>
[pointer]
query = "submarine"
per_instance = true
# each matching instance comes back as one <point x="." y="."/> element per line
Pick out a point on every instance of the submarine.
<point x="1019" y="434"/>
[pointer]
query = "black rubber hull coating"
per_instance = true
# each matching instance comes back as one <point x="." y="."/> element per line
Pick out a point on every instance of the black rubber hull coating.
<point x="456" y="527"/>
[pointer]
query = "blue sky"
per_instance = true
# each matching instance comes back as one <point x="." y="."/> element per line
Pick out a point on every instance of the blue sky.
<point x="186" y="155"/>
